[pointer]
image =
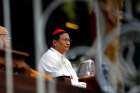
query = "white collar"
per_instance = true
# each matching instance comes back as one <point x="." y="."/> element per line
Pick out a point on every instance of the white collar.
<point x="56" y="51"/>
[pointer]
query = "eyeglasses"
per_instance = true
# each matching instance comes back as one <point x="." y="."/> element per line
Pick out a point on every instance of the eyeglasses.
<point x="66" y="39"/>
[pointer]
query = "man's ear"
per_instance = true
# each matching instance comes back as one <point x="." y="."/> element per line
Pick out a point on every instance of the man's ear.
<point x="54" y="43"/>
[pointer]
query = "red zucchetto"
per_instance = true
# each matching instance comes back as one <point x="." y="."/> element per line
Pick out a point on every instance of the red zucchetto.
<point x="57" y="31"/>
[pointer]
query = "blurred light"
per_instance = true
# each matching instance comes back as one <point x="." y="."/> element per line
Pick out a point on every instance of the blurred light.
<point x="138" y="7"/>
<point x="72" y="25"/>
<point x="69" y="9"/>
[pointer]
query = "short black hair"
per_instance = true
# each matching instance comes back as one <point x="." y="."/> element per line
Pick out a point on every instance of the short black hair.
<point x="57" y="36"/>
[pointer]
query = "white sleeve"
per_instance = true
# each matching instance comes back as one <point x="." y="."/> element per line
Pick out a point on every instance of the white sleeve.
<point x="75" y="78"/>
<point x="72" y="71"/>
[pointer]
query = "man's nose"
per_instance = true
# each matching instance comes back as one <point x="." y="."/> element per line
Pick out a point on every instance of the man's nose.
<point x="68" y="43"/>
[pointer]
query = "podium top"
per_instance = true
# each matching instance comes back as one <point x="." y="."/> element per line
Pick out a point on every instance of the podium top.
<point x="14" y="53"/>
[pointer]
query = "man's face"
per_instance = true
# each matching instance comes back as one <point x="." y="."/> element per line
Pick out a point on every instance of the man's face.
<point x="63" y="43"/>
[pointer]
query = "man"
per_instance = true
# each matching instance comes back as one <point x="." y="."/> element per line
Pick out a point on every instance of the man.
<point x="54" y="61"/>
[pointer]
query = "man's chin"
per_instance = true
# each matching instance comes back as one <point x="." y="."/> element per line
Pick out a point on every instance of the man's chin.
<point x="67" y="49"/>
